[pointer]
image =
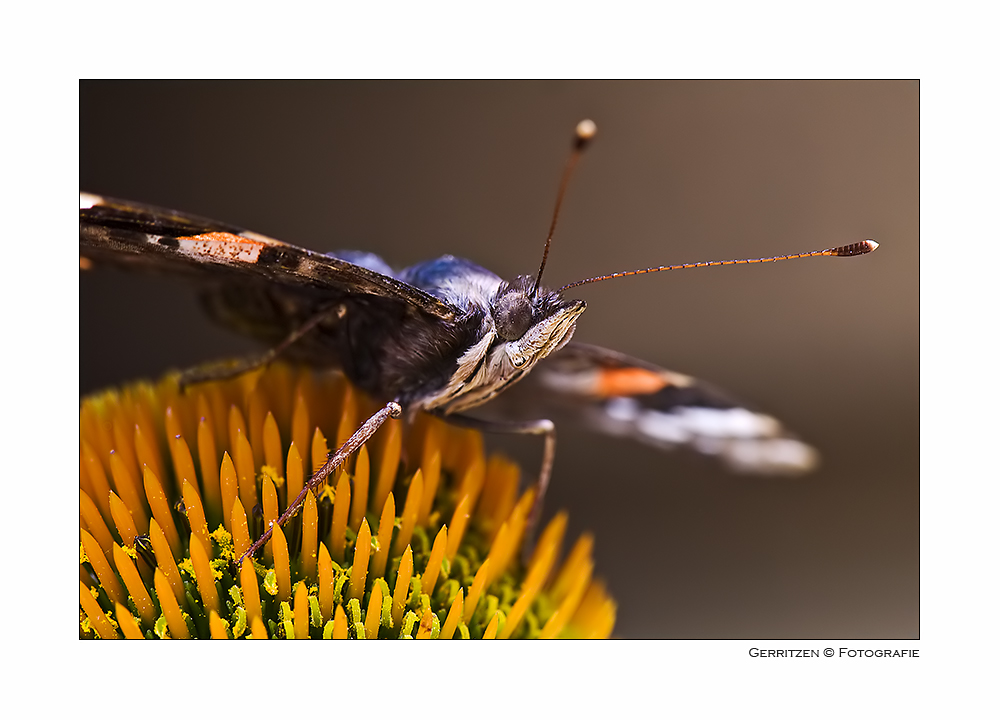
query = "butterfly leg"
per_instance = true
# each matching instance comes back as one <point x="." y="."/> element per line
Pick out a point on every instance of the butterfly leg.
<point x="334" y="461"/>
<point x="547" y="429"/>
<point x="231" y="370"/>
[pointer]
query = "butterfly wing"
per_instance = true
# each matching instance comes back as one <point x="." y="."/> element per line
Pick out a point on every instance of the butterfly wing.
<point x="393" y="339"/>
<point x="136" y="235"/>
<point x="623" y="396"/>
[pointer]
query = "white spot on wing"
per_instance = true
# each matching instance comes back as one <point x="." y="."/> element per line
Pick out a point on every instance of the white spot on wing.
<point x="665" y="427"/>
<point x="731" y="422"/>
<point x="683" y="424"/>
<point x="744" y="440"/>
<point x="623" y="409"/>
<point x="774" y="455"/>
<point x="88" y="201"/>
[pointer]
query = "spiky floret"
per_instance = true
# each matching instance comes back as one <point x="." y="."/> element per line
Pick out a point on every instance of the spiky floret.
<point x="419" y="537"/>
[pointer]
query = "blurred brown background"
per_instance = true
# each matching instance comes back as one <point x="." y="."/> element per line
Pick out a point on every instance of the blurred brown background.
<point x="680" y="172"/>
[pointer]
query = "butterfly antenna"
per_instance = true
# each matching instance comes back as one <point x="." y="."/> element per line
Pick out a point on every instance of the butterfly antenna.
<point x="859" y="248"/>
<point x="585" y="131"/>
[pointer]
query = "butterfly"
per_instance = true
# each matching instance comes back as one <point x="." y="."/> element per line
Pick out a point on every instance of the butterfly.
<point x="444" y="336"/>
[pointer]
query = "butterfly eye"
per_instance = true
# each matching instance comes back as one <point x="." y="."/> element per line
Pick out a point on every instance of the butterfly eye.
<point x="512" y="315"/>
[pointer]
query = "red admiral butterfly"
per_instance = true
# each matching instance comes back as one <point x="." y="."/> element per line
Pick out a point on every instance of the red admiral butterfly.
<point x="444" y="336"/>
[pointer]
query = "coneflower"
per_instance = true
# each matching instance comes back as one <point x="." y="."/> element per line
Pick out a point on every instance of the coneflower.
<point x="419" y="537"/>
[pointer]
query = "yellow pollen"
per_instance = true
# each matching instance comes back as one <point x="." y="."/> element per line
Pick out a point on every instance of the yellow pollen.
<point x="189" y="479"/>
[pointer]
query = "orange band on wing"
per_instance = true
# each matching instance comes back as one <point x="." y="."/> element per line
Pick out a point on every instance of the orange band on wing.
<point x="629" y="381"/>
<point x="223" y="246"/>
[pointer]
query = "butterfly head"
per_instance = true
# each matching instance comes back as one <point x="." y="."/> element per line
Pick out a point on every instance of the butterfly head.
<point x="532" y="324"/>
<point x="519" y="328"/>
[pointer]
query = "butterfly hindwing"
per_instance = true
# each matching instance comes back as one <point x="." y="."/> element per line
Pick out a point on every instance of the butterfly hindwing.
<point x="620" y="395"/>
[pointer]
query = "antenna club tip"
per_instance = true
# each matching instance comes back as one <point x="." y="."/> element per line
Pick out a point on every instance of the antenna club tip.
<point x="585" y="131"/>
<point x="859" y="248"/>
